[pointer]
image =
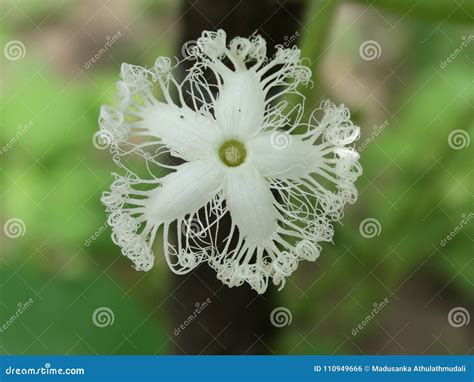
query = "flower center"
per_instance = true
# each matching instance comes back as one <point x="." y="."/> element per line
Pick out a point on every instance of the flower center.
<point x="232" y="153"/>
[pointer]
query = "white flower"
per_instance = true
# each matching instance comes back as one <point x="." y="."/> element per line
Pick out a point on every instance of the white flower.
<point x="246" y="158"/>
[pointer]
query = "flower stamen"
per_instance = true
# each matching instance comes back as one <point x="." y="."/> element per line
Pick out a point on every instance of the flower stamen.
<point x="232" y="153"/>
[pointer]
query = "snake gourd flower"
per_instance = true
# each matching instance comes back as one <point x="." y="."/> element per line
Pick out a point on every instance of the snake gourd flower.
<point x="251" y="184"/>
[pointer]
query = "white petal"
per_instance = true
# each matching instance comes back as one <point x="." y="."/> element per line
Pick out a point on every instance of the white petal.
<point x="184" y="191"/>
<point x="151" y="113"/>
<point x="240" y="106"/>
<point x="188" y="134"/>
<point x="250" y="203"/>
<point x="282" y="155"/>
<point x="130" y="230"/>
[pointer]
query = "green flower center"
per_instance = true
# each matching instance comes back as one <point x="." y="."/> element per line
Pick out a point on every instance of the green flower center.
<point x="232" y="153"/>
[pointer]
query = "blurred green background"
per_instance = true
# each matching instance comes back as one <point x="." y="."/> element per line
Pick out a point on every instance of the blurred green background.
<point x="411" y="93"/>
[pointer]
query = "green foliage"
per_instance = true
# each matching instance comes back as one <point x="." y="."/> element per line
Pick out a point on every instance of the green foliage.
<point x="60" y="318"/>
<point x="430" y="10"/>
<point x="52" y="179"/>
